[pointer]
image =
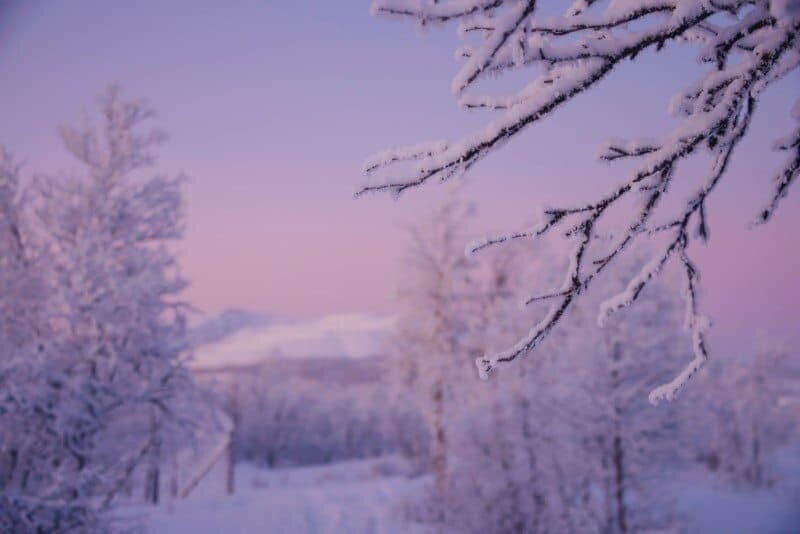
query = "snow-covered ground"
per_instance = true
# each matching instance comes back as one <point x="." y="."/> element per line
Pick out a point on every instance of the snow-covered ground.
<point x="368" y="496"/>
<point x="347" y="497"/>
<point x="763" y="512"/>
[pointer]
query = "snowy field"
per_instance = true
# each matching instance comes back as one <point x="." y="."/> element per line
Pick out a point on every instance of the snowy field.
<point x="347" y="497"/>
<point x="747" y="513"/>
<point x="368" y="496"/>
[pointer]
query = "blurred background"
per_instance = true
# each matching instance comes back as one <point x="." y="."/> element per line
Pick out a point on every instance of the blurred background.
<point x="318" y="348"/>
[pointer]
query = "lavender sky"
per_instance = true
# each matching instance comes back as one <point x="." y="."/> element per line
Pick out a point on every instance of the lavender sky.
<point x="272" y="106"/>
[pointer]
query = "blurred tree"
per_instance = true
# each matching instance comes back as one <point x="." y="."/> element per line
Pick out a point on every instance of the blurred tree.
<point x="95" y="387"/>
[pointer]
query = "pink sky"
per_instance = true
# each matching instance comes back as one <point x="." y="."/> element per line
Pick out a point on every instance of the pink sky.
<point x="271" y="108"/>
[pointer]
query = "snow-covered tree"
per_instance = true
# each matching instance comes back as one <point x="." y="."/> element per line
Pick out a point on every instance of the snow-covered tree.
<point x="38" y="491"/>
<point x="298" y="414"/>
<point x="747" y="45"/>
<point x="109" y="228"/>
<point x="496" y="468"/>
<point x="612" y="369"/>
<point x="754" y="415"/>
<point x="511" y="444"/>
<point x="272" y="423"/>
<point x="432" y="341"/>
<point x="568" y="442"/>
<point x="95" y="393"/>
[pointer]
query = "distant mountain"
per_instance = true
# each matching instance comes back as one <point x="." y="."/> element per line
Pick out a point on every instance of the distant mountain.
<point x="280" y="373"/>
<point x="226" y="324"/>
<point x="250" y="342"/>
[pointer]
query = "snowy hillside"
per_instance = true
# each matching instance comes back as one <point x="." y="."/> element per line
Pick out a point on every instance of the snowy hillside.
<point x="250" y="341"/>
<point x="227" y="323"/>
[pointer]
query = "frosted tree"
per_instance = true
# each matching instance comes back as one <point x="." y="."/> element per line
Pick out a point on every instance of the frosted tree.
<point x="568" y="441"/>
<point x="433" y="330"/>
<point x="511" y="444"/>
<point x="497" y="443"/>
<point x="613" y="368"/>
<point x="565" y="442"/>
<point x="108" y="230"/>
<point x="747" y="45"/>
<point x="36" y="456"/>
<point x="92" y="331"/>
<point x="272" y="421"/>
<point x="754" y="408"/>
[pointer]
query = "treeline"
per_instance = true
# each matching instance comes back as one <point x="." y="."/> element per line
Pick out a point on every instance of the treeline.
<point x="309" y="411"/>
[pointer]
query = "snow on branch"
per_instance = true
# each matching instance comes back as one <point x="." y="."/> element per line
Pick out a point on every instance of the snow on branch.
<point x="786" y="175"/>
<point x="747" y="45"/>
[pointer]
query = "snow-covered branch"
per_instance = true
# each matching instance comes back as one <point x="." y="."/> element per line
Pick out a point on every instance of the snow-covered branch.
<point x="748" y="46"/>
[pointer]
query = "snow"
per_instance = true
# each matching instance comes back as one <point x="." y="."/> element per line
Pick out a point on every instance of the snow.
<point x="626" y="297"/>
<point x="403" y="153"/>
<point x="354" y="335"/>
<point x="347" y="497"/>
<point x="747" y="512"/>
<point x="368" y="496"/>
<point x="216" y="328"/>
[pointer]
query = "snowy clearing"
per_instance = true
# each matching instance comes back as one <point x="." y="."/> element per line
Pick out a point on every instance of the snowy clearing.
<point x="353" y="497"/>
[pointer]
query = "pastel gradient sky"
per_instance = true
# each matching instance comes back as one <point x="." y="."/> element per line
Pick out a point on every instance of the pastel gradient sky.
<point x="272" y="106"/>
